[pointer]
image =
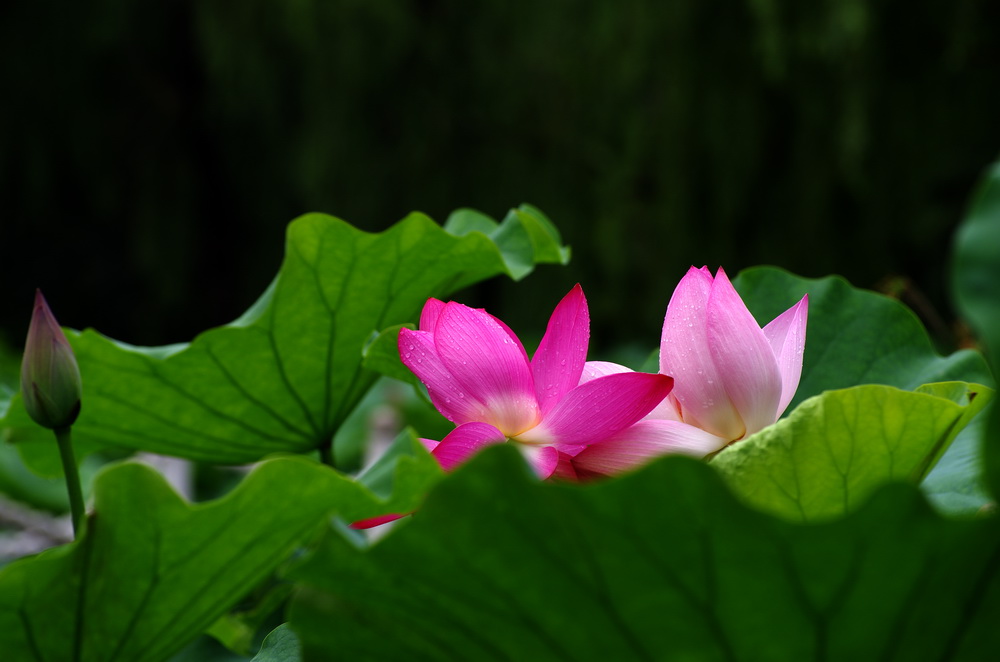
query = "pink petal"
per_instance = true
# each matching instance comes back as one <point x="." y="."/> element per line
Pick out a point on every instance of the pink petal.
<point x="489" y="365"/>
<point x="429" y="315"/>
<point x="642" y="442"/>
<point x="429" y="444"/>
<point x="465" y="441"/>
<point x="685" y="355"/>
<point x="601" y="407"/>
<point x="743" y="357"/>
<point x="595" y="369"/>
<point x="787" y="335"/>
<point x="418" y="353"/>
<point x="559" y="359"/>
<point x="668" y="409"/>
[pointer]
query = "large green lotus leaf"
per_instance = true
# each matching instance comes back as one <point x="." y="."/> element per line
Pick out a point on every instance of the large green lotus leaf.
<point x="152" y="571"/>
<point x="662" y="564"/>
<point x="859" y="337"/>
<point x="284" y="377"/>
<point x="828" y="456"/>
<point x="976" y="284"/>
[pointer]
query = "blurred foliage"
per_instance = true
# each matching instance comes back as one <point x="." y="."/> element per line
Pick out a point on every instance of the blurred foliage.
<point x="156" y="150"/>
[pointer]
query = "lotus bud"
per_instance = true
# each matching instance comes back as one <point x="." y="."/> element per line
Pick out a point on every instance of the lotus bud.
<point x="50" y="377"/>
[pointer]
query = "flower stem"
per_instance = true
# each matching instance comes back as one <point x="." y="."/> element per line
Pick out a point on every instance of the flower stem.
<point x="76" y="508"/>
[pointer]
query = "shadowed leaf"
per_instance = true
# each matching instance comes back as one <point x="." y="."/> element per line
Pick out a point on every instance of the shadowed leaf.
<point x="663" y="564"/>
<point x="976" y="284"/>
<point x="152" y="572"/>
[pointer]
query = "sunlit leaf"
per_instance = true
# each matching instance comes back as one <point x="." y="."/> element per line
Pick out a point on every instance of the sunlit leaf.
<point x="285" y="376"/>
<point x="152" y="571"/>
<point x="828" y="456"/>
<point x="663" y="564"/>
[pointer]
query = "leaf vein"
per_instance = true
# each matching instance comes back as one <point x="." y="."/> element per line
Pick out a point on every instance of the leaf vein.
<point x="256" y="401"/>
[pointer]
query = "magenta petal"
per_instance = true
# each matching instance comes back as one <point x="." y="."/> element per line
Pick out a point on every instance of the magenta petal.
<point x="642" y="442"/>
<point x="465" y="441"/>
<point x="564" y="467"/>
<point x="558" y="362"/>
<point x="668" y="409"/>
<point x="603" y="406"/>
<point x="489" y="365"/>
<point x="378" y="521"/>
<point x="743" y="357"/>
<point x="685" y="356"/>
<point x="418" y="353"/>
<point x="787" y="335"/>
<point x="510" y="333"/>
<point x="429" y="315"/>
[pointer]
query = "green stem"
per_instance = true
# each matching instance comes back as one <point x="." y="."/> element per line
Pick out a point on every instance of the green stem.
<point x="65" y="440"/>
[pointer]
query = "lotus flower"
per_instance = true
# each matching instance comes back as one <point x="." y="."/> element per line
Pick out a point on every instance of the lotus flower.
<point x="479" y="377"/>
<point x="732" y="377"/>
<point x="50" y="377"/>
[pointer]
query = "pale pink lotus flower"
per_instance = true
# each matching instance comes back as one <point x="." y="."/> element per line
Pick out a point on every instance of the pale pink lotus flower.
<point x="479" y="377"/>
<point x="732" y="377"/>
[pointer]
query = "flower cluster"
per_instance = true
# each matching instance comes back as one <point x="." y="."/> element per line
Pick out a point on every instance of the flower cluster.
<point x="722" y="377"/>
<point x="479" y="377"/>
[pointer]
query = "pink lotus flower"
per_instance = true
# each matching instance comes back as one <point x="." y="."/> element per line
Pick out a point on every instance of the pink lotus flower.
<point x="479" y="377"/>
<point x="732" y="377"/>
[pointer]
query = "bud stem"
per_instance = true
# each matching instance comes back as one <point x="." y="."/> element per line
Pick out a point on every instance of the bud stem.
<point x="76" y="508"/>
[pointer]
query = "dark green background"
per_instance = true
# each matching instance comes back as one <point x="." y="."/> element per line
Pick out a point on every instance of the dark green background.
<point x="151" y="153"/>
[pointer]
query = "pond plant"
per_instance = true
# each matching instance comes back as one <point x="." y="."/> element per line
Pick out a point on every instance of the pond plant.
<point x="795" y="474"/>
